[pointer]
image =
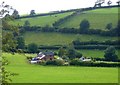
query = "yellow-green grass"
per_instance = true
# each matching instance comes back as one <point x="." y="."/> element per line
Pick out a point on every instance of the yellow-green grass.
<point x="43" y="38"/>
<point x="98" y="18"/>
<point x="29" y="73"/>
<point x="41" y="20"/>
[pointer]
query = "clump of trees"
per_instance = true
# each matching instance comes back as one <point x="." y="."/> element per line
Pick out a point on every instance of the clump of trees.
<point x="110" y="54"/>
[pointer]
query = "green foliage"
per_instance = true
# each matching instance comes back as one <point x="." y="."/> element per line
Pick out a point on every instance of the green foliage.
<point x="110" y="54"/>
<point x="71" y="51"/>
<point x="61" y="52"/>
<point x="78" y="54"/>
<point x="8" y="42"/>
<point x="32" y="48"/>
<point x="21" y="43"/>
<point x="77" y="62"/>
<point x="9" y="34"/>
<point x="84" y="26"/>
<point x="27" y="23"/>
<point x="5" y="75"/>
<point x="109" y="26"/>
<point x="15" y="14"/>
<point x="55" y="62"/>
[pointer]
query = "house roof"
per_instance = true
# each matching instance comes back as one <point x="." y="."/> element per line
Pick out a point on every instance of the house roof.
<point x="45" y="53"/>
<point x="48" y="53"/>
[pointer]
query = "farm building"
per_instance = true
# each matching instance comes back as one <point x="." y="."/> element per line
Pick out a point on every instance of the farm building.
<point x="43" y="56"/>
<point x="46" y="56"/>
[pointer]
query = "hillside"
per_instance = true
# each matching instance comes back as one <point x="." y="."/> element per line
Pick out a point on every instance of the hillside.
<point x="41" y="20"/>
<point x="45" y="38"/>
<point x="98" y="18"/>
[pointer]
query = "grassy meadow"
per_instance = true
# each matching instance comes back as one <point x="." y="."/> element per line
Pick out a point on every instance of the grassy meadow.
<point x="98" y="18"/>
<point x="29" y="73"/>
<point x="96" y="53"/>
<point x="44" y="38"/>
<point x="41" y="20"/>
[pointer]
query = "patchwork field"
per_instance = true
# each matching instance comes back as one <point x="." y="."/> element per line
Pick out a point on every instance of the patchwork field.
<point x="67" y="74"/>
<point x="42" y="38"/>
<point x="96" y="53"/>
<point x="42" y="20"/>
<point x="98" y="18"/>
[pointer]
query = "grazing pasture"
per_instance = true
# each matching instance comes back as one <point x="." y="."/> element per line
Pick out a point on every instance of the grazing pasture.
<point x="41" y="20"/>
<point x="29" y="73"/>
<point x="98" y="18"/>
<point x="44" y="38"/>
<point x="96" y="53"/>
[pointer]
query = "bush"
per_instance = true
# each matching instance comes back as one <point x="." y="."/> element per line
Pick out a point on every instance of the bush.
<point x="29" y="58"/>
<point x="55" y="62"/>
<point x="32" y="48"/>
<point x="42" y="62"/>
<point x="74" y="62"/>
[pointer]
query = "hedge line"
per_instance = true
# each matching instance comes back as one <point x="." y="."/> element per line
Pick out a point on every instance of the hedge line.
<point x="94" y="64"/>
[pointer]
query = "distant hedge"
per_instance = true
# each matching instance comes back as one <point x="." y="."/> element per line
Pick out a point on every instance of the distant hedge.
<point x="94" y="64"/>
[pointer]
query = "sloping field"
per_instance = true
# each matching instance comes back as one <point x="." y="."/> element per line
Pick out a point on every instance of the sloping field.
<point x="42" y="38"/>
<point x="41" y="20"/>
<point x="29" y="73"/>
<point x="98" y="18"/>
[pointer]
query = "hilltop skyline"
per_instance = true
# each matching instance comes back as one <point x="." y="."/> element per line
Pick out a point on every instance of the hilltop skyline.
<point x="44" y="6"/>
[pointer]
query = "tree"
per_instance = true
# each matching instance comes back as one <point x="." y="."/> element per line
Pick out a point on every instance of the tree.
<point x="109" y="26"/>
<point x="26" y="25"/>
<point x="61" y="52"/>
<point x="78" y="55"/>
<point x="71" y="51"/>
<point x="5" y="9"/>
<point x="8" y="43"/>
<point x="32" y="48"/>
<point x="32" y="13"/>
<point x="110" y="54"/>
<point x="15" y="14"/>
<point x="118" y="2"/>
<point x="21" y="43"/>
<point x="109" y="3"/>
<point x="84" y="26"/>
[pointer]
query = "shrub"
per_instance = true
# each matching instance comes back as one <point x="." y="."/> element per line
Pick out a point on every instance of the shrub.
<point x="74" y="62"/>
<point x="29" y="58"/>
<point x="56" y="62"/>
<point x="42" y="62"/>
<point x="32" y="48"/>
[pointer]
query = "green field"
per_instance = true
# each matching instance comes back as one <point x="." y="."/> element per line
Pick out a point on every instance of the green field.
<point x="96" y="53"/>
<point x="41" y="20"/>
<point x="48" y="74"/>
<point x="98" y="18"/>
<point x="42" y="38"/>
